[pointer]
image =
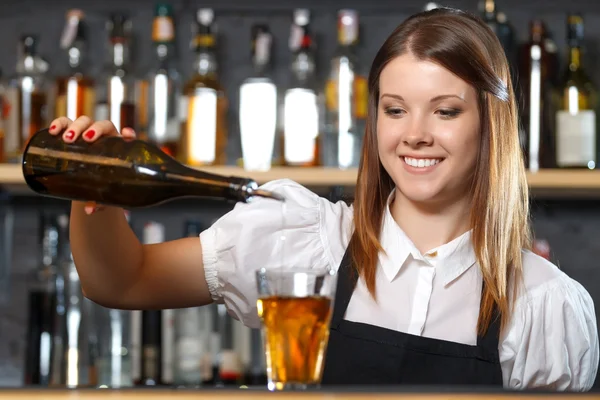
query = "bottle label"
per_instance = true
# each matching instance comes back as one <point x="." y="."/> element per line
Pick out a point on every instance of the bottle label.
<point x="182" y="110"/>
<point x="258" y="123"/>
<point x="102" y="112"/>
<point x="361" y="97"/>
<point x="576" y="138"/>
<point x="162" y="29"/>
<point x="136" y="344"/>
<point x="168" y="341"/>
<point x="189" y="354"/>
<point x="151" y="367"/>
<point x="202" y="127"/>
<point x="11" y="139"/>
<point x="301" y="125"/>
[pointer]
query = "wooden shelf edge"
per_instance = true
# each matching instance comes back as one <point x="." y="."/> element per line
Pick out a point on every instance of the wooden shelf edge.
<point x="555" y="179"/>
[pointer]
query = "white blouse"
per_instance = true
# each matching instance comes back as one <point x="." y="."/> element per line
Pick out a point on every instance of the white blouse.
<point x="551" y="341"/>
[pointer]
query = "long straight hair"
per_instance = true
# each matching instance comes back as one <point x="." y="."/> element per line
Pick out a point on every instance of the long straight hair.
<point x="499" y="217"/>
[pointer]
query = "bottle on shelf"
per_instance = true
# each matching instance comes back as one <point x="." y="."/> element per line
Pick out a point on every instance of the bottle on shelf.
<point x="78" y="367"/>
<point x="43" y="348"/>
<point x="163" y="86"/>
<point x="498" y="23"/>
<point x="576" y="118"/>
<point x="4" y="108"/>
<point x="203" y="109"/>
<point x="75" y="92"/>
<point x="156" y="343"/>
<point x="125" y="173"/>
<point x="28" y="98"/>
<point x="258" y="105"/>
<point x="117" y="93"/>
<point x="301" y="105"/>
<point x="229" y="362"/>
<point x="345" y="96"/>
<point x="193" y="325"/>
<point x="538" y="61"/>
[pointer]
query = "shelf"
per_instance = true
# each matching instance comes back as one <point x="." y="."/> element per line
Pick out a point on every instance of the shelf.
<point x="554" y="179"/>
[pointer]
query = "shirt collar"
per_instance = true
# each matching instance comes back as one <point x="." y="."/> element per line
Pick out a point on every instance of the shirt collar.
<point x="450" y="260"/>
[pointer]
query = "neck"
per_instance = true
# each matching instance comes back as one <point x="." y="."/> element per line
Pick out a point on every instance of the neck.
<point x="574" y="58"/>
<point x="431" y="225"/>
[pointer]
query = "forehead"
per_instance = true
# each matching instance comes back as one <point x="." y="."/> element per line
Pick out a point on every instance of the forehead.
<point x="412" y="78"/>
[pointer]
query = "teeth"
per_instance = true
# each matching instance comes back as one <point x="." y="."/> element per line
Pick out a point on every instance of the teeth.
<point x="421" y="162"/>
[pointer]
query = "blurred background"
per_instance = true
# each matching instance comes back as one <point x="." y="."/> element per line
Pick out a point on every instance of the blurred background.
<point x="261" y="88"/>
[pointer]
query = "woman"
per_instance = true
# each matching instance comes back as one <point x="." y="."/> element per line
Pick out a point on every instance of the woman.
<point x="446" y="290"/>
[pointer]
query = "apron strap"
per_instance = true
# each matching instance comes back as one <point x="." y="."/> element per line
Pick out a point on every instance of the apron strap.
<point x="489" y="341"/>
<point x="346" y="281"/>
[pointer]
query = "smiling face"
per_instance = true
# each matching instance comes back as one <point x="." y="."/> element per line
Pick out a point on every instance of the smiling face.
<point x="428" y="130"/>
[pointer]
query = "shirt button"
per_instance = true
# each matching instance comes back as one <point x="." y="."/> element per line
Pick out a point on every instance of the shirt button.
<point x="432" y="254"/>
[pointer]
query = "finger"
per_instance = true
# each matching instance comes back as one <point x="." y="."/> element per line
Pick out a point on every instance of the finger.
<point x="99" y="129"/>
<point x="58" y="125"/>
<point x="91" y="207"/>
<point x="128" y="133"/>
<point x="76" y="128"/>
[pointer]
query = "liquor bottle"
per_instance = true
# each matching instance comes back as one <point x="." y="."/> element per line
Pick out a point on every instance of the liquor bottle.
<point x="301" y="112"/>
<point x="192" y="328"/>
<point x="153" y="351"/>
<point x="79" y="366"/>
<point x="258" y="105"/>
<point x="230" y="366"/>
<point x="75" y="92"/>
<point x="204" y="105"/>
<point x="42" y="306"/>
<point x="125" y="173"/>
<point x="538" y="76"/>
<point x="3" y="117"/>
<point x="342" y="139"/>
<point x="117" y="93"/>
<point x="28" y="97"/>
<point x="498" y="23"/>
<point x="164" y="84"/>
<point x="576" y="118"/>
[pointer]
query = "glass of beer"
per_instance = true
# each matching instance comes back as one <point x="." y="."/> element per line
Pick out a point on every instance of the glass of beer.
<point x="295" y="307"/>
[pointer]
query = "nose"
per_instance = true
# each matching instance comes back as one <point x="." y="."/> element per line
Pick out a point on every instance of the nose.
<point x="417" y="134"/>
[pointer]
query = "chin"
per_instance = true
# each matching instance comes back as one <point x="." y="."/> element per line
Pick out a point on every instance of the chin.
<point x="416" y="194"/>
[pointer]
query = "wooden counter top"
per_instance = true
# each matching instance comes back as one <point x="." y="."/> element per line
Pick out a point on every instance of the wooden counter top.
<point x="157" y="394"/>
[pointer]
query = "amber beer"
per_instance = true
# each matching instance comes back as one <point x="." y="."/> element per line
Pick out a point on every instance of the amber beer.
<point x="296" y="331"/>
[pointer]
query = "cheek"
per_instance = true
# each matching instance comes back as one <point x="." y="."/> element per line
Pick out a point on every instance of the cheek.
<point x="462" y="141"/>
<point x="386" y="137"/>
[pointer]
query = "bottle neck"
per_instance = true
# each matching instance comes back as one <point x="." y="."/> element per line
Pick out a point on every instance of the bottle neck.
<point x="164" y="52"/>
<point x="205" y="63"/>
<point x="76" y="58"/>
<point x="120" y="55"/>
<point x="303" y="67"/>
<point x="574" y="58"/>
<point x="489" y="10"/>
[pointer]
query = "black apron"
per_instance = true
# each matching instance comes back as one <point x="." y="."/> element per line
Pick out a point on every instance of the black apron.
<point x="359" y="353"/>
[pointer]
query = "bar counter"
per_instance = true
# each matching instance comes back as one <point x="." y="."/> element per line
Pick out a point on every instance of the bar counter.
<point x="255" y="394"/>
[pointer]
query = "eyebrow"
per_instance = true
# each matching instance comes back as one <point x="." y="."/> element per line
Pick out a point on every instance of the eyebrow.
<point x="434" y="99"/>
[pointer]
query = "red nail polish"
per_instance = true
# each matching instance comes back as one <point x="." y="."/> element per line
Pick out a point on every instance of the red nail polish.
<point x="53" y="127"/>
<point x="90" y="134"/>
<point x="69" y="135"/>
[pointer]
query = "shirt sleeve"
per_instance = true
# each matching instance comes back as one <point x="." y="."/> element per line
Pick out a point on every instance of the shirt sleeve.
<point x="552" y="341"/>
<point x="250" y="237"/>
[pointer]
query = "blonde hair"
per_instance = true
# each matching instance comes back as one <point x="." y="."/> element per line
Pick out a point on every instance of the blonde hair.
<point x="464" y="45"/>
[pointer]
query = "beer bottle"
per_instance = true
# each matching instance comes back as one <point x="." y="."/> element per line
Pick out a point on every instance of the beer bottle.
<point x="124" y="173"/>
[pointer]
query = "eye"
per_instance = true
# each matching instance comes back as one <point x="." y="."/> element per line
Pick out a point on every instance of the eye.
<point x="394" y="111"/>
<point x="449" y="113"/>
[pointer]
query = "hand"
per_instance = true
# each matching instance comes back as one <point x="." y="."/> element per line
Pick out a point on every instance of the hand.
<point x="90" y="131"/>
